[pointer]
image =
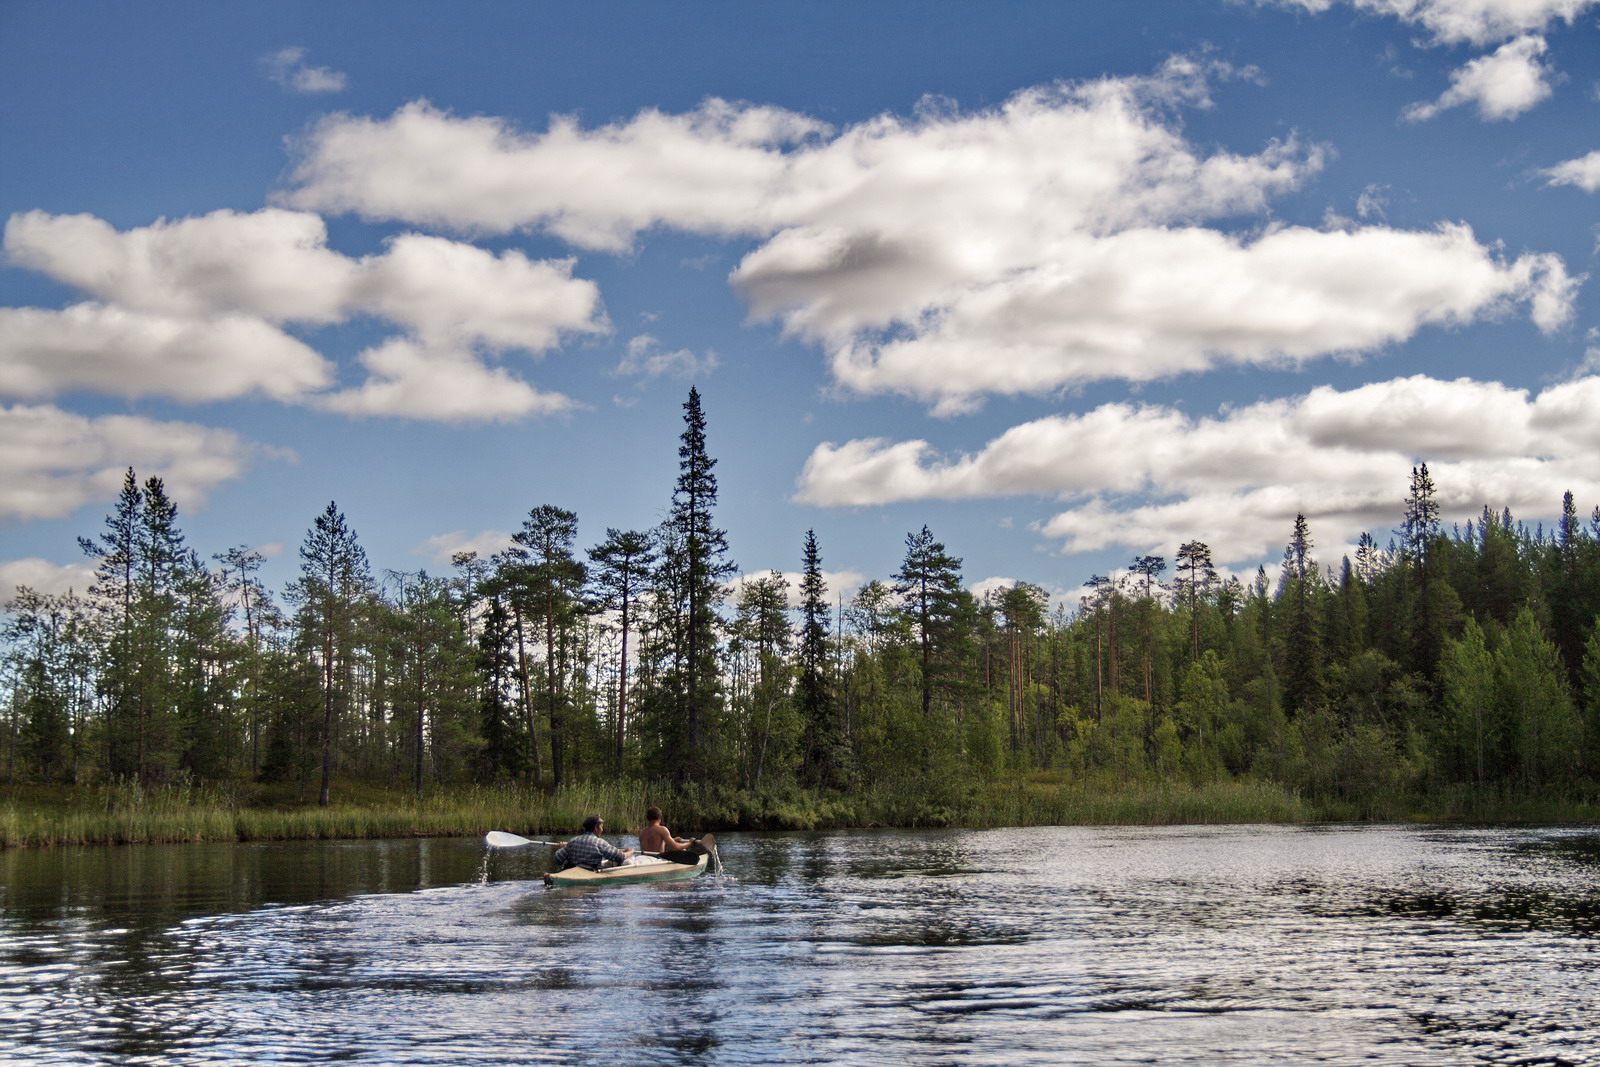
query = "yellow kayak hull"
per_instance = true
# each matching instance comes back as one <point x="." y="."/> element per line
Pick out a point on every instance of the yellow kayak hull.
<point x="628" y="874"/>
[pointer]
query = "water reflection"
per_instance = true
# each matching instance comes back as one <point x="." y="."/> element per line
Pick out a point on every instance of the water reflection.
<point x="1185" y="945"/>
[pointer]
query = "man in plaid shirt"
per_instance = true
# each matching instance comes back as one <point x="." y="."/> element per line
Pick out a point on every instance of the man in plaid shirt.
<point x="589" y="850"/>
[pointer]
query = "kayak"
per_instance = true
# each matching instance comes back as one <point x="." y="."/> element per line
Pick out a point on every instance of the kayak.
<point x="629" y="873"/>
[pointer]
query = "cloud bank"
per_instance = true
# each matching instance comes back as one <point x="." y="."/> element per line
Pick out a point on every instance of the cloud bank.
<point x="53" y="462"/>
<point x="197" y="309"/>
<point x="1070" y="235"/>
<point x="1237" y="480"/>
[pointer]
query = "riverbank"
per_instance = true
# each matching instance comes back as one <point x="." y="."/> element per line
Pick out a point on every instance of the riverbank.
<point x="35" y="816"/>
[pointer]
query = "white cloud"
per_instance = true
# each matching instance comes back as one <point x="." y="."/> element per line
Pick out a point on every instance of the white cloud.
<point x="411" y="380"/>
<point x="1054" y="240"/>
<point x="192" y="309"/>
<point x="644" y="359"/>
<point x="53" y="462"/>
<point x="1479" y="22"/>
<point x="446" y="291"/>
<point x="42" y="576"/>
<point x="288" y="68"/>
<point x="132" y="353"/>
<point x="442" y="547"/>
<point x="1584" y="172"/>
<point x="717" y="169"/>
<point x="1146" y="477"/>
<point x="1503" y="84"/>
<point x="1151" y="303"/>
<point x="271" y="264"/>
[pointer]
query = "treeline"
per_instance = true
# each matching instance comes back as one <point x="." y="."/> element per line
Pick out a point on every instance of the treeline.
<point x="1447" y="662"/>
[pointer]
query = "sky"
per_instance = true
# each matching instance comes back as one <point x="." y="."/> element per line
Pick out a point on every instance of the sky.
<point x="1066" y="283"/>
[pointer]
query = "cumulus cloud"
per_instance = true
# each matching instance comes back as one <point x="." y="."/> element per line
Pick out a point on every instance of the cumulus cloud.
<point x="42" y="576"/>
<point x="1151" y="476"/>
<point x="195" y="309"/>
<point x="53" y="462"/>
<point x="288" y="68"/>
<point x="1151" y="303"/>
<point x="718" y="169"/>
<point x="1503" y="84"/>
<point x="406" y="379"/>
<point x="644" y="359"/>
<point x="1583" y="172"/>
<point x="443" y="547"/>
<point x="1479" y="22"/>
<point x="131" y="353"/>
<point x="1069" y="235"/>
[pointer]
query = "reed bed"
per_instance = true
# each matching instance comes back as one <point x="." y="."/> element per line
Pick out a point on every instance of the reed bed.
<point x="130" y="814"/>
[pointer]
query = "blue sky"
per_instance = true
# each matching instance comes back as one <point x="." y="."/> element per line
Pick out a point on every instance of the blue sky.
<point x="1068" y="283"/>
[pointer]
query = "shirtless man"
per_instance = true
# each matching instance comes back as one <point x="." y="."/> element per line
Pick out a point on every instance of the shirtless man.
<point x="657" y="838"/>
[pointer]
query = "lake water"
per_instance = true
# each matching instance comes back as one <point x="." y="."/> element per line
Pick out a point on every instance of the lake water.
<point x="1218" y="945"/>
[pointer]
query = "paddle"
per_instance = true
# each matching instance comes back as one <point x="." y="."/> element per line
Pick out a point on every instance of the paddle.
<point x="501" y="839"/>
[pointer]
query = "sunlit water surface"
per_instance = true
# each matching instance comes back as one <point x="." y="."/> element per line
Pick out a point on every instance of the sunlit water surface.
<point x="1229" y="945"/>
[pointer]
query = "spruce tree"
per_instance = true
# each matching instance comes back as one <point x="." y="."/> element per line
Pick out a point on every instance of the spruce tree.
<point x="825" y="750"/>
<point x="118" y="552"/>
<point x="1301" y="622"/>
<point x="694" y="567"/>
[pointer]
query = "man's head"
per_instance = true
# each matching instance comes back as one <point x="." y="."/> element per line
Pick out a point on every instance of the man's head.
<point x="593" y="824"/>
<point x="652" y="814"/>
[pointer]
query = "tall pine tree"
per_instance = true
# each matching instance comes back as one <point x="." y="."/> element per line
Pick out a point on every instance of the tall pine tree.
<point x="332" y="592"/>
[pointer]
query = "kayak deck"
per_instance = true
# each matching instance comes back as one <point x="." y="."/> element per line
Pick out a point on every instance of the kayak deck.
<point x="628" y="874"/>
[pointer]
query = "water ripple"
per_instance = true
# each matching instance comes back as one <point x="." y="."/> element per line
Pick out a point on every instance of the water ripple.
<point x="1174" y="946"/>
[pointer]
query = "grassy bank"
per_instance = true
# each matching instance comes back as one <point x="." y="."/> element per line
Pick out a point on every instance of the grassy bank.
<point x="129" y="814"/>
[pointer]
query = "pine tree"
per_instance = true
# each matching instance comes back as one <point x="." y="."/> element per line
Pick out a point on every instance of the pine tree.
<point x="929" y="584"/>
<point x="429" y="682"/>
<point x="332" y="592"/>
<point x="621" y="571"/>
<point x="241" y="587"/>
<point x="759" y="648"/>
<point x="1196" y="574"/>
<point x="550" y="581"/>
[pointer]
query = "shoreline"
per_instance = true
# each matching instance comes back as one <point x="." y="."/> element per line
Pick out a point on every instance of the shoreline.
<point x="47" y="817"/>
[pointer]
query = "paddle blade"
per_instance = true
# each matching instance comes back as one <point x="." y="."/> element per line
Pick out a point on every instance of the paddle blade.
<point x="501" y="839"/>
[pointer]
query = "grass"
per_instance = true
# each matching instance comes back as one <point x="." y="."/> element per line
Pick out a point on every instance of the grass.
<point x="130" y="814"/>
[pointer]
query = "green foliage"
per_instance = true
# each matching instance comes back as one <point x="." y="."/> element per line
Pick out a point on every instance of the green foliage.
<point x="1452" y="672"/>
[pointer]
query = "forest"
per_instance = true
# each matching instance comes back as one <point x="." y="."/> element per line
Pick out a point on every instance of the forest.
<point x="1460" y="662"/>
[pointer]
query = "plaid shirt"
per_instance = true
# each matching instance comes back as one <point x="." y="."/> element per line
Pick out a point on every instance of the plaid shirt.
<point x="588" y="850"/>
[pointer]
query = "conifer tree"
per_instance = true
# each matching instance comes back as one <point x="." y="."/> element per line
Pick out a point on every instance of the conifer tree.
<point x="694" y="567"/>
<point x="118" y="552"/>
<point x="759" y="648"/>
<point x="550" y="581"/>
<point x="1196" y="574"/>
<point x="622" y="565"/>
<point x="929" y="582"/>
<point x="826" y="752"/>
<point x="1301" y="624"/>
<point x="332" y="592"/>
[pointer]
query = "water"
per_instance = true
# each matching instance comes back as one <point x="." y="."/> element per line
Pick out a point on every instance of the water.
<point x="1228" y="945"/>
